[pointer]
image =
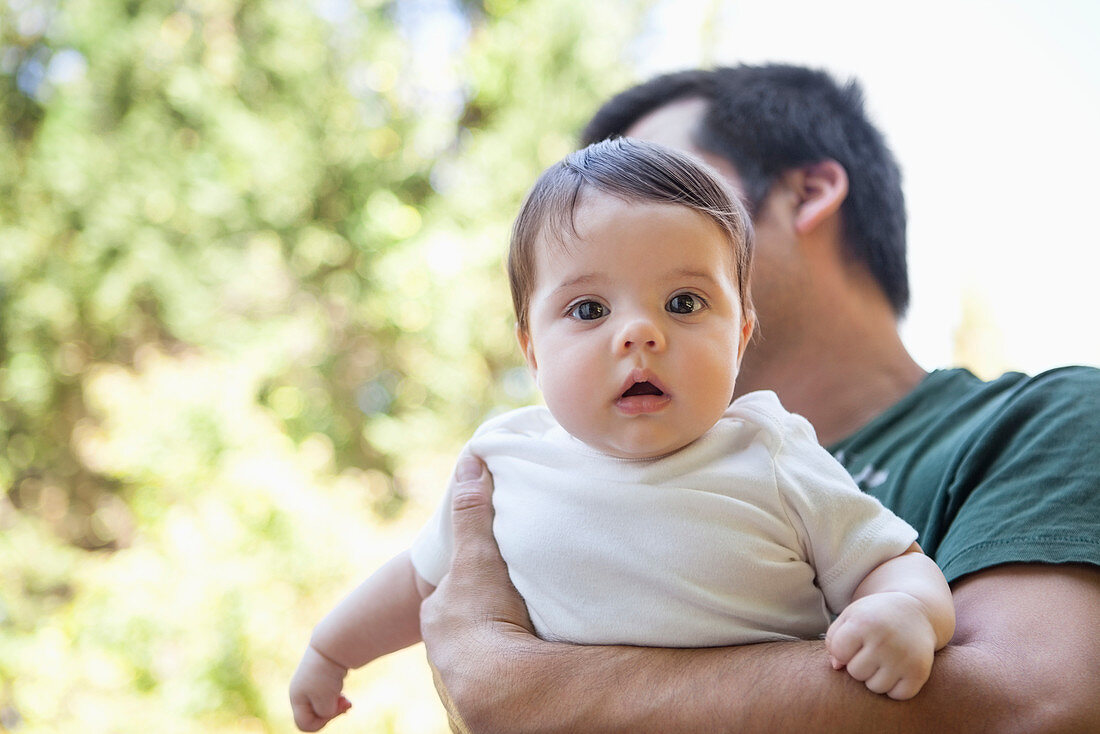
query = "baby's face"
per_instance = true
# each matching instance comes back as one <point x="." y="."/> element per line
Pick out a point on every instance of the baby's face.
<point x="636" y="330"/>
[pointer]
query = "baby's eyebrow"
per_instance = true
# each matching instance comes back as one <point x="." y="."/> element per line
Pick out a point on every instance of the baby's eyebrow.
<point x="689" y="273"/>
<point x="580" y="280"/>
<point x="594" y="279"/>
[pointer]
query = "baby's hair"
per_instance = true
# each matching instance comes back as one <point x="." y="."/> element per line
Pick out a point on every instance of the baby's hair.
<point x="635" y="171"/>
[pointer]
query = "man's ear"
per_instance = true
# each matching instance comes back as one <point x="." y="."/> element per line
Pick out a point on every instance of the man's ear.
<point x="822" y="188"/>
<point x="527" y="346"/>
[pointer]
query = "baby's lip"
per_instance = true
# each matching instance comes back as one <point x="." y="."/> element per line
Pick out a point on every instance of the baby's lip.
<point x="642" y="394"/>
<point x="642" y="382"/>
<point x="642" y="388"/>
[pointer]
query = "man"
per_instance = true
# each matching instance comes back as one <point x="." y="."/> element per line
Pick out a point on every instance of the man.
<point x="1002" y="479"/>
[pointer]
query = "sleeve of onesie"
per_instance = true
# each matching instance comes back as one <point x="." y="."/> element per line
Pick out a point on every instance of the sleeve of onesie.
<point x="845" y="533"/>
<point x="432" y="549"/>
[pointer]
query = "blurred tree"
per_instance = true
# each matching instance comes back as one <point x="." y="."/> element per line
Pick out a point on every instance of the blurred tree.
<point x="249" y="275"/>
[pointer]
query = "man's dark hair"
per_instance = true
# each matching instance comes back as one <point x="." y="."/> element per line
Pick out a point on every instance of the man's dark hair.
<point x="766" y="120"/>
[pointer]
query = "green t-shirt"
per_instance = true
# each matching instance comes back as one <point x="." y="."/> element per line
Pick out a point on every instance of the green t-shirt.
<point x="1006" y="471"/>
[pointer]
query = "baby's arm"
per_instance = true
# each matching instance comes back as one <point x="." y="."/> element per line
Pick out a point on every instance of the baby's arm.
<point x="381" y="616"/>
<point x="900" y="614"/>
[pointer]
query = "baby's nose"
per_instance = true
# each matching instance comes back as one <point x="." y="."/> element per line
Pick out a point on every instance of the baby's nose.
<point x="641" y="333"/>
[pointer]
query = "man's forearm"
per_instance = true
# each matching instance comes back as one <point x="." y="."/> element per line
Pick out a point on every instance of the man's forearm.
<point x="769" y="688"/>
<point x="1020" y="672"/>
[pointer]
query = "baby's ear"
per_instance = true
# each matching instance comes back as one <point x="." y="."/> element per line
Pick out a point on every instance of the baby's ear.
<point x="748" y="326"/>
<point x="527" y="346"/>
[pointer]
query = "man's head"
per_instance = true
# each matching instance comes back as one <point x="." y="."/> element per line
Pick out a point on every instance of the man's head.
<point x="767" y="120"/>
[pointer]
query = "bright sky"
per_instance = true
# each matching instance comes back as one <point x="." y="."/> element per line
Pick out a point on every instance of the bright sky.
<point x="993" y="110"/>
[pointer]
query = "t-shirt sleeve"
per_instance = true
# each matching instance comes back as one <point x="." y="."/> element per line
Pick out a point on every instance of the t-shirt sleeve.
<point x="1027" y="489"/>
<point x="845" y="533"/>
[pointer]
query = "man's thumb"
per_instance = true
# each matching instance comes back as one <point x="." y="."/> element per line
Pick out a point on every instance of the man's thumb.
<point x="472" y="506"/>
<point x="468" y="468"/>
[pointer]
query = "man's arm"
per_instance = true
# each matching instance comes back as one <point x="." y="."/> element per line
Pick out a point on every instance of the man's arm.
<point x="1025" y="657"/>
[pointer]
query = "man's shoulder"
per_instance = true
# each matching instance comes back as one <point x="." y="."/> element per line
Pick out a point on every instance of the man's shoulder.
<point x="955" y="397"/>
<point x="953" y="417"/>
<point x="1054" y="381"/>
<point x="1064" y="380"/>
<point x="1069" y="388"/>
<point x="1060" y="402"/>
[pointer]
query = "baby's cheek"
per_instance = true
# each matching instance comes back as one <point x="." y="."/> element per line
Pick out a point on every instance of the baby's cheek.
<point x="572" y="408"/>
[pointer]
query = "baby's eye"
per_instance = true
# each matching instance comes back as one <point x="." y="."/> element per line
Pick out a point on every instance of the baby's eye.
<point x="589" y="311"/>
<point x="685" y="303"/>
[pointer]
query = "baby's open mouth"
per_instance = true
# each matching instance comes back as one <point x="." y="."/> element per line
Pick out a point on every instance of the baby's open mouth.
<point x="642" y="388"/>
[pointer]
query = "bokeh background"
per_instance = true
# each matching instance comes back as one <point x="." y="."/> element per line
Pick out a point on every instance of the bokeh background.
<point x="252" y="302"/>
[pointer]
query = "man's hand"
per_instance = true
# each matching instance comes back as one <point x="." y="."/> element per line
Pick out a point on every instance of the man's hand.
<point x="475" y="604"/>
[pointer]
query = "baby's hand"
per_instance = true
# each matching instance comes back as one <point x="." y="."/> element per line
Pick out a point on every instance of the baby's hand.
<point x="315" y="691"/>
<point x="885" y="640"/>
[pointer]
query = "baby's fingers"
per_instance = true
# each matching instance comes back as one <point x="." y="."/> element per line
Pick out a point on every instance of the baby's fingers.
<point x="863" y="666"/>
<point x="882" y="680"/>
<point x="313" y="714"/>
<point x="842" y="643"/>
<point x="305" y="718"/>
<point x="328" y="708"/>
<point x="906" y="688"/>
<point x="898" y="687"/>
<point x="898" y="679"/>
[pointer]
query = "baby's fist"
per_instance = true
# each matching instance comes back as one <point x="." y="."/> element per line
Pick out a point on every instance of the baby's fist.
<point x="315" y="689"/>
<point x="886" y="641"/>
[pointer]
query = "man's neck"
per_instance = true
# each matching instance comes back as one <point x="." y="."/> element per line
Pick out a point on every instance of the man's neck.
<point x="838" y="379"/>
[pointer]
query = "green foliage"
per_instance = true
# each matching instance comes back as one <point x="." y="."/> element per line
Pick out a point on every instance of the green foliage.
<point x="251" y="304"/>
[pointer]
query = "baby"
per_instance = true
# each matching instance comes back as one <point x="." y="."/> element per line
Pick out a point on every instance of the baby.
<point x="641" y="506"/>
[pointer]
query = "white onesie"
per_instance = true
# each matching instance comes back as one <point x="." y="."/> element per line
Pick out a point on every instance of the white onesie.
<point x="751" y="533"/>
